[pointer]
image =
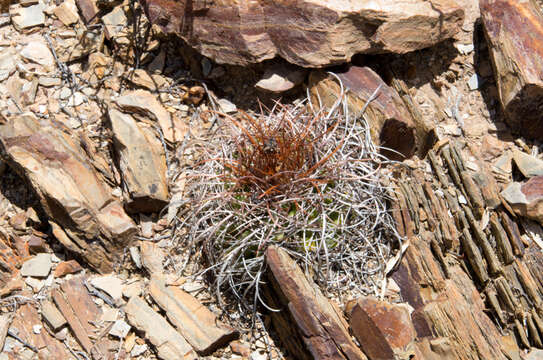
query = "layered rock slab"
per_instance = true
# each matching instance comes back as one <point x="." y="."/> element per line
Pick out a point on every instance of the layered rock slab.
<point x="142" y="163"/>
<point x="514" y="31"/>
<point x="310" y="33"/>
<point x="84" y="215"/>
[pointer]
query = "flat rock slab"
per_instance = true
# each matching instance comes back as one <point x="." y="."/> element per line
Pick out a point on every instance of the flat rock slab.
<point x="310" y="33"/>
<point x="142" y="162"/>
<point x="39" y="266"/>
<point x="194" y="321"/>
<point x="514" y="34"/>
<point x="27" y="17"/>
<point x="170" y="345"/>
<point x="79" y="204"/>
<point x="526" y="198"/>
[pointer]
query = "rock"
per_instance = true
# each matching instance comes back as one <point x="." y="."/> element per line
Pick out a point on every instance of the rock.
<point x="226" y="106"/>
<point x="528" y="165"/>
<point x="307" y="33"/>
<point x="384" y="330"/>
<point x="5" y="321"/>
<point x="473" y="82"/>
<point x="8" y="61"/>
<point x="152" y="257"/>
<point x="37" y="52"/>
<point x="110" y="284"/>
<point x="84" y="216"/>
<point x="138" y="350"/>
<point x="170" y="345"/>
<point x="133" y="289"/>
<point x="142" y="78"/>
<point x="67" y="267"/>
<point x="89" y="10"/>
<point x="39" y="266"/>
<point x="67" y="13"/>
<point x="142" y="163"/>
<point x="120" y="329"/>
<point x="281" y="78"/>
<point x="513" y="31"/>
<point x="48" y="81"/>
<point x="115" y="22"/>
<point x="526" y="198"/>
<point x="194" y="321"/>
<point x="51" y="314"/>
<point x="18" y="221"/>
<point x="145" y="103"/>
<point x="27" y="17"/>
<point x="36" y="244"/>
<point x="240" y="348"/>
<point x="35" y="284"/>
<point x="309" y="325"/>
<point x="195" y="95"/>
<point x="391" y="125"/>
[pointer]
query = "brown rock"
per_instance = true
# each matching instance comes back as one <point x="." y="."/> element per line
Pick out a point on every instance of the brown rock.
<point x="309" y="325"/>
<point x="514" y="32"/>
<point x="390" y="123"/>
<point x="89" y="10"/>
<point x="193" y="320"/>
<point x="526" y="198"/>
<point x="384" y="330"/>
<point x="240" y="348"/>
<point x="142" y="162"/>
<point x="67" y="267"/>
<point x="145" y="103"/>
<point x="51" y="314"/>
<point x="306" y="33"/>
<point x="195" y="95"/>
<point x="77" y="201"/>
<point x="67" y="13"/>
<point x="170" y="345"/>
<point x="36" y="244"/>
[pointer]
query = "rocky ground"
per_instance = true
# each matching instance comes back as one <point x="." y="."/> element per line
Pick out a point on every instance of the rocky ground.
<point x="103" y="114"/>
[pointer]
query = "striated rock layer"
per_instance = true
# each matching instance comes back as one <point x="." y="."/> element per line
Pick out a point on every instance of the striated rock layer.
<point x="311" y="33"/>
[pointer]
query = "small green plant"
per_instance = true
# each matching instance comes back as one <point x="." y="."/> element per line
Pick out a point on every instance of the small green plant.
<point x="305" y="180"/>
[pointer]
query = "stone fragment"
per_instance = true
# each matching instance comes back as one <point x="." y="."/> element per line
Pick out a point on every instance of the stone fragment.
<point x="5" y="321"/>
<point x="281" y="78"/>
<point x="391" y="125"/>
<point x="133" y="289"/>
<point x="195" y="95"/>
<point x="152" y="257"/>
<point x="138" y="350"/>
<point x="110" y="284"/>
<point x="51" y="314"/>
<point x="142" y="163"/>
<point x="67" y="267"/>
<point x="308" y="33"/>
<point x="48" y="81"/>
<point x="384" y="330"/>
<point x="240" y="348"/>
<point x="143" y="102"/>
<point x="526" y="198"/>
<point x="84" y="216"/>
<point x="528" y="165"/>
<point x="36" y="244"/>
<point x="473" y="82"/>
<point x="194" y="321"/>
<point x="309" y="325"/>
<point x="67" y="12"/>
<point x="227" y="106"/>
<point x="35" y="284"/>
<point x="89" y="10"/>
<point x="37" y="52"/>
<point x="120" y="329"/>
<point x="27" y="17"/>
<point x="513" y="31"/>
<point x="140" y="77"/>
<point x="39" y="266"/>
<point x="170" y="345"/>
<point x="8" y="61"/>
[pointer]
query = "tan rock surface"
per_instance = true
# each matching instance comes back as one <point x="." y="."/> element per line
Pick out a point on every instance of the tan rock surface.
<point x="312" y="33"/>
<point x="142" y="163"/>
<point x="71" y="192"/>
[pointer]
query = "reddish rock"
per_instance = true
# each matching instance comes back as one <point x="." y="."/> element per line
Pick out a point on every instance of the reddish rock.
<point x="312" y="33"/>
<point x="36" y="244"/>
<point x="526" y="199"/>
<point x="384" y="330"/>
<point x="67" y="267"/>
<point x="391" y="125"/>
<point x="514" y="33"/>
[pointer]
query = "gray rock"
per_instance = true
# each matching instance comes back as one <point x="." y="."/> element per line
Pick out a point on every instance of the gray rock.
<point x="227" y="107"/>
<point x="52" y="315"/>
<point x="473" y="82"/>
<point x="120" y="329"/>
<point x="528" y="165"/>
<point x="24" y="18"/>
<point x="38" y="266"/>
<point x="110" y="284"/>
